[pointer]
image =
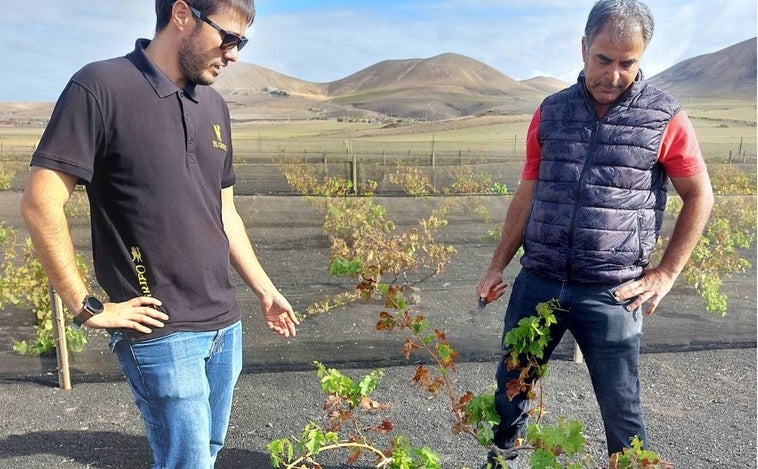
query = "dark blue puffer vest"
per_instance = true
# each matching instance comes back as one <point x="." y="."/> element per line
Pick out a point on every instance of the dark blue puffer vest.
<point x="601" y="194"/>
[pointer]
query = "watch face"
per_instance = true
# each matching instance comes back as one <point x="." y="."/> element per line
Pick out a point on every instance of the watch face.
<point x="93" y="305"/>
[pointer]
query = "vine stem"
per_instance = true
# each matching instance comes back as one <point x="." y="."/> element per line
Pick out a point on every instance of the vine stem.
<point x="383" y="459"/>
<point x="442" y="370"/>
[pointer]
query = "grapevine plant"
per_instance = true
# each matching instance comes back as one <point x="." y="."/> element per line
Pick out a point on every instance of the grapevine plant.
<point x="731" y="231"/>
<point x="348" y="402"/>
<point x="25" y="284"/>
<point x="364" y="241"/>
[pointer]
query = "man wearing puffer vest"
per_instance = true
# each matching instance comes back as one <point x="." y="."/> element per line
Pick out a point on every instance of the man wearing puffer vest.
<point x="588" y="212"/>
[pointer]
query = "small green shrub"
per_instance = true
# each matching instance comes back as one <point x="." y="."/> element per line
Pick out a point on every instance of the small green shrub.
<point x="8" y="172"/>
<point x="365" y="242"/>
<point x="731" y="230"/>
<point x="25" y="285"/>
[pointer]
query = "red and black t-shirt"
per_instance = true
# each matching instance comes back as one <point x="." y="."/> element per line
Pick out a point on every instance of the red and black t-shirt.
<point x="154" y="159"/>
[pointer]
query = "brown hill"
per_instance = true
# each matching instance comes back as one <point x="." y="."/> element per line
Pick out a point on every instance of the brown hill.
<point x="545" y="84"/>
<point x="453" y="85"/>
<point x="729" y="73"/>
<point x="246" y="78"/>
<point x="447" y="72"/>
<point x="441" y="87"/>
<point x="25" y="113"/>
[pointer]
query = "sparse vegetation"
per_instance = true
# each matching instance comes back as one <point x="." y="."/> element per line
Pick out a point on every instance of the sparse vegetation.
<point x="348" y="405"/>
<point x="25" y="285"/>
<point x="730" y="233"/>
<point x="365" y="243"/>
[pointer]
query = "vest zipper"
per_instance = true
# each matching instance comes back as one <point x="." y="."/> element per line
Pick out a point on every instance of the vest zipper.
<point x="577" y="204"/>
<point x="639" y="237"/>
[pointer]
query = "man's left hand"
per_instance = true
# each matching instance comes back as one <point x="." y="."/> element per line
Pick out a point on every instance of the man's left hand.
<point x="279" y="315"/>
<point x="651" y="288"/>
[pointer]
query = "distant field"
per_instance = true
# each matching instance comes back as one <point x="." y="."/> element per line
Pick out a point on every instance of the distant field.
<point x="487" y="134"/>
<point x="14" y="140"/>
<point x="719" y="132"/>
<point x="723" y="129"/>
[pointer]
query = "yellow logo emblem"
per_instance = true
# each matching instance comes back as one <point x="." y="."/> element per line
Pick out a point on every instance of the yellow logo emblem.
<point x="136" y="254"/>
<point x="218" y="142"/>
<point x="140" y="270"/>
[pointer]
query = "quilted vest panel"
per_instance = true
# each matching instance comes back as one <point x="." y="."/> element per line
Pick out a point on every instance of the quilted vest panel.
<point x="601" y="194"/>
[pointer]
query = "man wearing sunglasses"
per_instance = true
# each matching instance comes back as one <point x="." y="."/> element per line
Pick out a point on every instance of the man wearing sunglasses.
<point x="152" y="146"/>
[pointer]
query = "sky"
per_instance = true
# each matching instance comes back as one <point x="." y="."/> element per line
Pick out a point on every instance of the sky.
<point x="43" y="43"/>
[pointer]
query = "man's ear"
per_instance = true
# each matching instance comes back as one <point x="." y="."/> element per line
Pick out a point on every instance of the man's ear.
<point x="584" y="49"/>
<point x="181" y="15"/>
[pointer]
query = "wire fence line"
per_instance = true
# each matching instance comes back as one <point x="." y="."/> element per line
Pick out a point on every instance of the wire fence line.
<point x="260" y="168"/>
<point x="264" y="174"/>
<point x="741" y="150"/>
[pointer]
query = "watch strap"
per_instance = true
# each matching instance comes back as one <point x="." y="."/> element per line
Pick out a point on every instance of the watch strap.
<point x="82" y="316"/>
<point x="90" y="307"/>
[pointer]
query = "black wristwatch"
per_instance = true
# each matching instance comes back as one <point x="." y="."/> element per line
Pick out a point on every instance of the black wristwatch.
<point x="90" y="307"/>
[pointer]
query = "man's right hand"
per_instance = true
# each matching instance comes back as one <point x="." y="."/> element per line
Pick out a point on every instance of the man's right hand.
<point x="491" y="286"/>
<point x="139" y="314"/>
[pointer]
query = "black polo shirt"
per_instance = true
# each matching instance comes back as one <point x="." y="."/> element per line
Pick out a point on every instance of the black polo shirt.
<point x="154" y="159"/>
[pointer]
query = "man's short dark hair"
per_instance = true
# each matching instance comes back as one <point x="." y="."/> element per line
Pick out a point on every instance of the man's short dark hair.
<point x="624" y="16"/>
<point x="245" y="8"/>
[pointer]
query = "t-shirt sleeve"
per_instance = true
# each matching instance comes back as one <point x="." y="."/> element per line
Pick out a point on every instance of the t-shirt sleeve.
<point x="680" y="152"/>
<point x="74" y="134"/>
<point x="229" y="177"/>
<point x="531" y="169"/>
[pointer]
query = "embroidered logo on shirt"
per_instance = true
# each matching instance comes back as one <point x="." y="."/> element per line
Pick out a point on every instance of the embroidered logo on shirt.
<point x="141" y="270"/>
<point x="136" y="254"/>
<point x="218" y="141"/>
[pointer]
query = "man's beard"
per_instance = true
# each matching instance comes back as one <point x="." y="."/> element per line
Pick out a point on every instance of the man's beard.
<point x="193" y="64"/>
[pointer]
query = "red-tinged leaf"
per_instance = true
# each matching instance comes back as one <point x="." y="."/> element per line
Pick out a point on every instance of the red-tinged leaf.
<point x="354" y="456"/>
<point x="458" y="428"/>
<point x="463" y="401"/>
<point x="440" y="335"/>
<point x="513" y="389"/>
<point x="394" y="290"/>
<point x="366" y="289"/>
<point x="408" y="348"/>
<point x="421" y="377"/>
<point x="387" y="322"/>
<point x="369" y="404"/>
<point x="332" y="403"/>
<point x="385" y="427"/>
<point x="334" y="425"/>
<point x="435" y="386"/>
<point x="394" y="296"/>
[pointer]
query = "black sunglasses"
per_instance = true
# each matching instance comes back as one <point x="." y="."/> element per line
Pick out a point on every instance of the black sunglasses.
<point x="228" y="40"/>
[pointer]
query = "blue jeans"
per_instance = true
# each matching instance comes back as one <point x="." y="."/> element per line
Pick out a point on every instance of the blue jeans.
<point x="182" y="384"/>
<point x="607" y="334"/>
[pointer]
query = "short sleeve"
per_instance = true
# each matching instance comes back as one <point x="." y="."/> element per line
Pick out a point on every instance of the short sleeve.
<point x="229" y="178"/>
<point x="74" y="135"/>
<point x="680" y="152"/>
<point x="531" y="169"/>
